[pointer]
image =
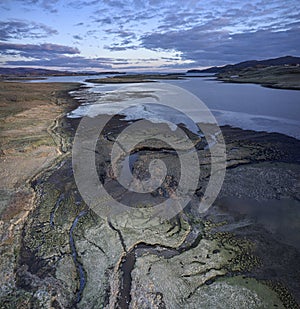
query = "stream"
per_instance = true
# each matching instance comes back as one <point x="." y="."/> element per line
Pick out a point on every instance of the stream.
<point x="79" y="267"/>
<point x="127" y="265"/>
<point x="57" y="204"/>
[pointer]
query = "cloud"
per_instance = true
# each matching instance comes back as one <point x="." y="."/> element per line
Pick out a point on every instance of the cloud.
<point x="121" y="33"/>
<point x="76" y="62"/>
<point x="51" y="55"/>
<point x="115" y="3"/>
<point x="77" y="37"/>
<point x="82" y="4"/>
<point x="19" y="29"/>
<point x="120" y="47"/>
<point x="44" y="4"/>
<point x="226" y="32"/>
<point x="194" y="28"/>
<point x="54" y="55"/>
<point x="220" y="47"/>
<point x="103" y="21"/>
<point x="71" y="62"/>
<point x="126" y="40"/>
<point x="195" y="33"/>
<point x="40" y="51"/>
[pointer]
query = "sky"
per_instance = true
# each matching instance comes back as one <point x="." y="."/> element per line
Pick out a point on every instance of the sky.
<point x="145" y="35"/>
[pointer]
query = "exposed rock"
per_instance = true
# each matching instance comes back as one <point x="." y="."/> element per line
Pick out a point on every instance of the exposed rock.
<point x="69" y="256"/>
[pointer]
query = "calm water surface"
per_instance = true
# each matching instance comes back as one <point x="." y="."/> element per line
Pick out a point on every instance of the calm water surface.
<point x="246" y="106"/>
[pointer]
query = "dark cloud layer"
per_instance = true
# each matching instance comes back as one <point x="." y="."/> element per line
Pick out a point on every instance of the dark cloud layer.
<point x="75" y="62"/>
<point x="77" y="37"/>
<point x="71" y="62"/>
<point x="19" y="29"/>
<point x="42" y="51"/>
<point x="219" y="47"/>
<point x="53" y="55"/>
<point x="206" y="33"/>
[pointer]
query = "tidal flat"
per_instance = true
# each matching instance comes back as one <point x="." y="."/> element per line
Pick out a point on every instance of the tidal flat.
<point x="137" y="78"/>
<point x="56" y="252"/>
<point x="278" y="77"/>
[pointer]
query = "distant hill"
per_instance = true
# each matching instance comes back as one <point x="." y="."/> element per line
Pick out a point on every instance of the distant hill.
<point x="28" y="72"/>
<point x="287" y="60"/>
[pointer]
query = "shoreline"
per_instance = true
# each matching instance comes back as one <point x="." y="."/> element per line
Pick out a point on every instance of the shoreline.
<point x="52" y="237"/>
<point x="278" y="77"/>
<point x="141" y="78"/>
<point x="267" y="82"/>
<point x="262" y="84"/>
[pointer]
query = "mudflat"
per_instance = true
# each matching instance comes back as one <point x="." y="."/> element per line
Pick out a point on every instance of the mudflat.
<point x="57" y="252"/>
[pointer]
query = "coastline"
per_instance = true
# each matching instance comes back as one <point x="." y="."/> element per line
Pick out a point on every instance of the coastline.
<point x="60" y="201"/>
<point x="278" y="77"/>
<point x="258" y="82"/>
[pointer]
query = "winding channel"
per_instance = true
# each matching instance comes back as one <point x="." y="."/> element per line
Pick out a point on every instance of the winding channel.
<point x="79" y="267"/>
<point x="127" y="264"/>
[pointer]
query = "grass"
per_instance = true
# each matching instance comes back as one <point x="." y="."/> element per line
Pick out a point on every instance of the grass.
<point x="138" y="78"/>
<point x="283" y="77"/>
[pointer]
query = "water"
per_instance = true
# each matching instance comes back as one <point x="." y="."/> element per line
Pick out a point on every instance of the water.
<point x="67" y="79"/>
<point x="79" y="267"/>
<point x="246" y="106"/>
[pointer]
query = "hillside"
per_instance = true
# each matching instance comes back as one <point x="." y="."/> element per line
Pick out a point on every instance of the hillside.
<point x="281" y="61"/>
<point x="33" y="72"/>
<point x="283" y="77"/>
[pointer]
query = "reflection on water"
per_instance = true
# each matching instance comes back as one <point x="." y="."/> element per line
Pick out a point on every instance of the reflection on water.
<point x="279" y="217"/>
<point x="248" y="106"/>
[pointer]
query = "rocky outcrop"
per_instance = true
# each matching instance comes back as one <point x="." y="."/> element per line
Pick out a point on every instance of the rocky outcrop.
<point x="70" y="257"/>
